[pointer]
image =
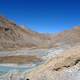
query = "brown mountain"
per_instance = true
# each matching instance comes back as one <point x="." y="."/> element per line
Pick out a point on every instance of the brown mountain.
<point x="13" y="36"/>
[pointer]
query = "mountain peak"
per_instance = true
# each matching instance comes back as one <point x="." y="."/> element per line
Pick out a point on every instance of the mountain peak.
<point x="77" y="28"/>
<point x="2" y="17"/>
<point x="5" y="23"/>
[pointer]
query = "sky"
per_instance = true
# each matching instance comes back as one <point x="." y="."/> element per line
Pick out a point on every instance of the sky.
<point x="42" y="15"/>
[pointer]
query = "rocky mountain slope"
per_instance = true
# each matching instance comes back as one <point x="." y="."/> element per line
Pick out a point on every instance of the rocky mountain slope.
<point x="67" y="38"/>
<point x="65" y="66"/>
<point x="13" y="36"/>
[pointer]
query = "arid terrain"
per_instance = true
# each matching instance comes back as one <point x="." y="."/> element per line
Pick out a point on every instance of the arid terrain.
<point x="19" y="59"/>
<point x="24" y="52"/>
<point x="65" y="66"/>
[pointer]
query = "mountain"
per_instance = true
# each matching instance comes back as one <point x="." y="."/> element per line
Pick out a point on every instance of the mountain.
<point x="68" y="37"/>
<point x="55" y="57"/>
<point x="13" y="36"/>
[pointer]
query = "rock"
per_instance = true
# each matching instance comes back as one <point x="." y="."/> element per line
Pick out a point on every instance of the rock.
<point x="65" y="66"/>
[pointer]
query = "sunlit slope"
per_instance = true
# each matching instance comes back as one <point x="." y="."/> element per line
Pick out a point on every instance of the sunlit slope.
<point x="13" y="36"/>
<point x="65" y="66"/>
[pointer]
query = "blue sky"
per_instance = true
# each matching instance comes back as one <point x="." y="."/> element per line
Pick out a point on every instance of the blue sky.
<point x="42" y="15"/>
